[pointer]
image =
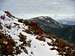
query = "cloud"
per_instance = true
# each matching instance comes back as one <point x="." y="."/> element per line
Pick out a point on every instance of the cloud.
<point x="54" y="7"/>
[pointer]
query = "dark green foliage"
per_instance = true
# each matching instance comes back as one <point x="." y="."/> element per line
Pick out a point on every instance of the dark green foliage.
<point x="22" y="37"/>
<point x="29" y="43"/>
<point x="9" y="27"/>
<point x="20" y="20"/>
<point x="1" y="26"/>
<point x="28" y="31"/>
<point x="18" y="51"/>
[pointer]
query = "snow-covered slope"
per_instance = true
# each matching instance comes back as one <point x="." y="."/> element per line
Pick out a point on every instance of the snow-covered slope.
<point x="26" y="42"/>
<point x="12" y="27"/>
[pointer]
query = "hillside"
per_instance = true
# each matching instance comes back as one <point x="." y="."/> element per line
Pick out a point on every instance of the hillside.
<point x="20" y="37"/>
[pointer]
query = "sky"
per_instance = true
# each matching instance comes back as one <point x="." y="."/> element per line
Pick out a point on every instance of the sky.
<point x="33" y="8"/>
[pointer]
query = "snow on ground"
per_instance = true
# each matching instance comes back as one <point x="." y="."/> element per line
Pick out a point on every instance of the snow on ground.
<point x="38" y="48"/>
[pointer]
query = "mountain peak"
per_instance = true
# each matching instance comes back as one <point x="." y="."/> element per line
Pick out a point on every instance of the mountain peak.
<point x="47" y="21"/>
<point x="29" y="39"/>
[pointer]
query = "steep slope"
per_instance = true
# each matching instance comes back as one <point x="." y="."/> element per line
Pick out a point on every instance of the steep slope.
<point x="26" y="43"/>
<point x="29" y="39"/>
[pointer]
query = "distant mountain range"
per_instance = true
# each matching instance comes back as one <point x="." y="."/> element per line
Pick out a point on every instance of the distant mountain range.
<point x="50" y="25"/>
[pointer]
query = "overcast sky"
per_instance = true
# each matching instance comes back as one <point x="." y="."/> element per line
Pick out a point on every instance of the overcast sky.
<point x="39" y="7"/>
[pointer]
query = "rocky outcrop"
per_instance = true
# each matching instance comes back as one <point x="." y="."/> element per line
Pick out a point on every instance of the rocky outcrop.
<point x="19" y="37"/>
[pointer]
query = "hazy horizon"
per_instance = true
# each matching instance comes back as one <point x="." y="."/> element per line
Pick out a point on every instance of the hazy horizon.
<point x="34" y="8"/>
